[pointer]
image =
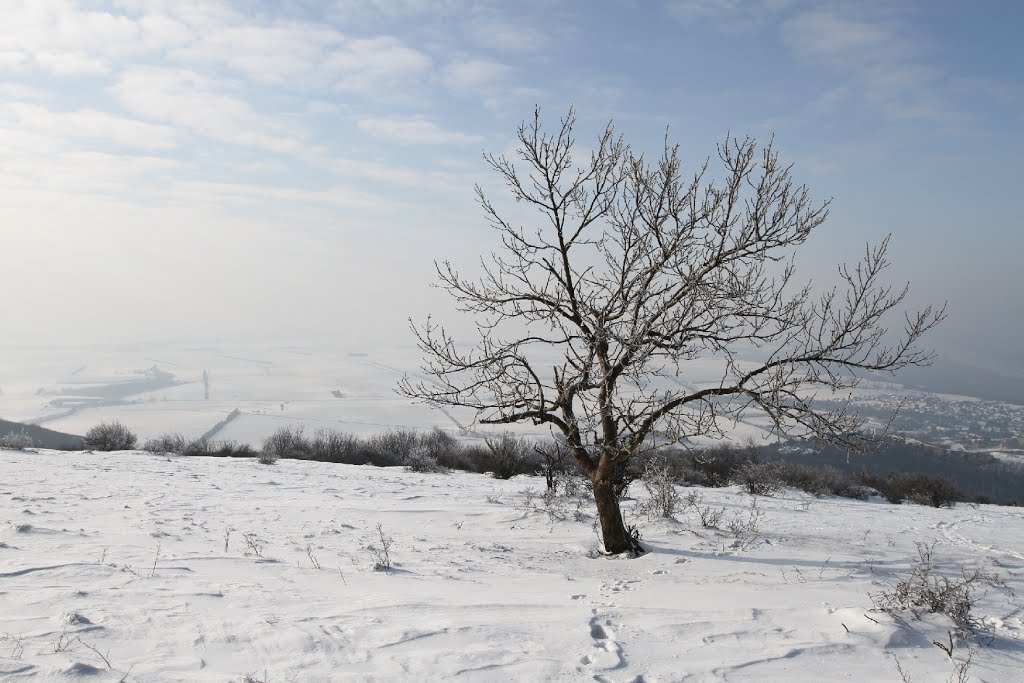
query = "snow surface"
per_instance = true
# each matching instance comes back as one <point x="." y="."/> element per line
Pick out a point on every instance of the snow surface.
<point x="144" y="558"/>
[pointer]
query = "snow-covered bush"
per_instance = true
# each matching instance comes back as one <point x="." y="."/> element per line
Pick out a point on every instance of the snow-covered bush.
<point x="329" y="445"/>
<point x="663" y="498"/>
<point x="759" y="478"/>
<point x="166" y="443"/>
<point x="509" y="456"/>
<point x="267" y="458"/>
<point x="394" y="446"/>
<point x="926" y="590"/>
<point x="17" y="441"/>
<point x="709" y="517"/>
<point x="420" y="460"/>
<point x="286" y="442"/>
<point x="110" y="436"/>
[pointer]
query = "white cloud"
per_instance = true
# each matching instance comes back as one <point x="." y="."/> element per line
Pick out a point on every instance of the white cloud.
<point x="877" y="56"/>
<point x="726" y="15"/>
<point x="185" y="98"/>
<point x="492" y="30"/>
<point x="413" y="131"/>
<point x="12" y="59"/>
<point x="88" y="125"/>
<point x="61" y="37"/>
<point x="466" y="76"/>
<point x="375" y="65"/>
<point x="71" y="63"/>
<point x="279" y="53"/>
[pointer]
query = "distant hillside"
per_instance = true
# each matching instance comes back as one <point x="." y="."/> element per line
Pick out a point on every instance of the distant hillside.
<point x="976" y="474"/>
<point x="44" y="438"/>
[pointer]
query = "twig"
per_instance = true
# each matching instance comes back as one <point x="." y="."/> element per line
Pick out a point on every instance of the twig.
<point x="95" y="649"/>
<point x="156" y="557"/>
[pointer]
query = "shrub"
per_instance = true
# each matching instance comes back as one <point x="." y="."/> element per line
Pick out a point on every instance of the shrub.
<point x="230" y="449"/>
<point x="420" y="460"/>
<point x="438" y="442"/>
<point x="329" y="445"/>
<point x="927" y="591"/>
<point x="822" y="481"/>
<point x="166" y="443"/>
<point x="709" y="517"/>
<point x="287" y="442"/>
<point x="198" y="447"/>
<point x="759" y="478"/>
<point x="509" y="456"/>
<point x="465" y="458"/>
<point x="267" y="458"/>
<point x="664" y="499"/>
<point x="933" y="491"/>
<point x="110" y="436"/>
<point x="915" y="488"/>
<point x="712" y="467"/>
<point x="394" y="446"/>
<point x="17" y="441"/>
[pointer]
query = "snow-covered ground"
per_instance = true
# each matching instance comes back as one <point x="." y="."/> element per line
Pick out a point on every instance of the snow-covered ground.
<point x="148" y="563"/>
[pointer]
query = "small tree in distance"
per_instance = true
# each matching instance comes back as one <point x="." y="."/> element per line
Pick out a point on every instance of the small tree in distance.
<point x="587" y="322"/>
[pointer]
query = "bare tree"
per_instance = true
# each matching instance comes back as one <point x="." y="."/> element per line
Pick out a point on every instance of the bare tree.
<point x="587" y="323"/>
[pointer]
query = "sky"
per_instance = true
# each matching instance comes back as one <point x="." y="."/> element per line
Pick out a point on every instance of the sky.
<point x="195" y="169"/>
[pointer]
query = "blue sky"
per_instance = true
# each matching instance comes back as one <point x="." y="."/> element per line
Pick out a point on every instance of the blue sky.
<point x="185" y="168"/>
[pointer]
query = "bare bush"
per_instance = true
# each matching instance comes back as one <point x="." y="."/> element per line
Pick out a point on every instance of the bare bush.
<point x="254" y="543"/>
<point x="382" y="552"/>
<point x="509" y="456"/>
<point x="710" y="517"/>
<point x="166" y="443"/>
<point x="267" y="458"/>
<point x="395" y="445"/>
<point x="663" y="498"/>
<point x="922" y="489"/>
<point x="927" y="590"/>
<point x="329" y="445"/>
<point x="746" y="528"/>
<point x="286" y="442"/>
<point x="557" y="507"/>
<point x="16" y="441"/>
<point x="822" y="481"/>
<point x="110" y="436"/>
<point x="759" y="478"/>
<point x="420" y="460"/>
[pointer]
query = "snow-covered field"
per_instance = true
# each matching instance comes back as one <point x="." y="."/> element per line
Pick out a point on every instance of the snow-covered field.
<point x="137" y="564"/>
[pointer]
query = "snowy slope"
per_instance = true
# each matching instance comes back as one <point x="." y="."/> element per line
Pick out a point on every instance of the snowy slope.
<point x="144" y="558"/>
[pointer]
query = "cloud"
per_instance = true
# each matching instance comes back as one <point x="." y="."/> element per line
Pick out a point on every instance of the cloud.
<point x="726" y="15"/>
<point x="375" y="65"/>
<point x="413" y="131"/>
<point x="87" y="125"/>
<point x="71" y="63"/>
<point x="60" y="37"/>
<point x="879" y="56"/>
<point x="492" y="30"/>
<point x="466" y="76"/>
<point x="195" y="102"/>
<point x="289" y="53"/>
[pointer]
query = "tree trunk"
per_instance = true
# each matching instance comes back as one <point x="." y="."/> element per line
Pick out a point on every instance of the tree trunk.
<point x="613" y="530"/>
